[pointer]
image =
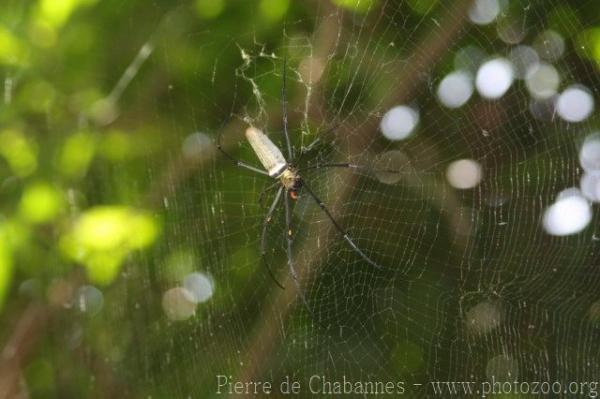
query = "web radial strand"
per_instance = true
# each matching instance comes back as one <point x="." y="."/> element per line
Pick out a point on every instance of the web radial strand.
<point x="464" y="160"/>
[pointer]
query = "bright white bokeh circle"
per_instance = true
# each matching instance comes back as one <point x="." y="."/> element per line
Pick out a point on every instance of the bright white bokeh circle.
<point x="494" y="78"/>
<point x="200" y="286"/>
<point x="590" y="186"/>
<point x="484" y="12"/>
<point x="589" y="154"/>
<point x="575" y="104"/>
<point x="570" y="214"/>
<point x="455" y="89"/>
<point x="464" y="174"/>
<point x="399" y="122"/>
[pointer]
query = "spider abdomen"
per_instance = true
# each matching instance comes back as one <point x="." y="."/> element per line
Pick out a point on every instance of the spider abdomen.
<point x="267" y="152"/>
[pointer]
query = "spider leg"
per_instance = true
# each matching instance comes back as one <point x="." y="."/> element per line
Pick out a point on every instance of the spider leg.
<point x="339" y="228"/>
<point x="310" y="147"/>
<point x="284" y="110"/>
<point x="263" y="250"/>
<point x="289" y="238"/>
<point x="264" y="191"/>
<point x="237" y="162"/>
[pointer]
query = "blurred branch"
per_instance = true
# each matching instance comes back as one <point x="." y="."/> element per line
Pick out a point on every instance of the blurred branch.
<point x="265" y="338"/>
<point x="27" y="332"/>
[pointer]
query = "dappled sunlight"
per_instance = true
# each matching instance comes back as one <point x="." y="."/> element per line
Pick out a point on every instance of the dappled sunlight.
<point x="101" y="238"/>
<point x="41" y="203"/>
<point x="354" y="198"/>
<point x="19" y="152"/>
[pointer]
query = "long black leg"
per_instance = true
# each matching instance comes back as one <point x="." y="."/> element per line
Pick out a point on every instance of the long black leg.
<point x="237" y="162"/>
<point x="284" y="110"/>
<point x="349" y="166"/>
<point x="290" y="238"/>
<point x="263" y="248"/>
<point x="266" y="190"/>
<point x="339" y="228"/>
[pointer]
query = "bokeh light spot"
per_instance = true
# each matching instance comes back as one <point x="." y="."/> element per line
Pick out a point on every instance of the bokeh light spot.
<point x="200" y="286"/>
<point x="76" y="154"/>
<point x="102" y="236"/>
<point x="484" y="12"/>
<point x="89" y="300"/>
<point x="20" y="153"/>
<point x="483" y="317"/>
<point x="550" y="45"/>
<point x="399" y="122"/>
<point x="590" y="186"/>
<point x="494" y="78"/>
<point x="455" y="89"/>
<point x="41" y="202"/>
<point x="464" y="174"/>
<point x="195" y="144"/>
<point x="589" y="154"/>
<point x="570" y="214"/>
<point x="523" y="59"/>
<point x="12" y="50"/>
<point x="542" y="81"/>
<point x="178" y="304"/>
<point x="575" y="104"/>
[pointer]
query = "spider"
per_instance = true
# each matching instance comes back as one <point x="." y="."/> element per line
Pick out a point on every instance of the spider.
<point x="287" y="176"/>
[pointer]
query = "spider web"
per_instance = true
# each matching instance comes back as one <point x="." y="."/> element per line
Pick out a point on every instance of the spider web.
<point x="472" y="286"/>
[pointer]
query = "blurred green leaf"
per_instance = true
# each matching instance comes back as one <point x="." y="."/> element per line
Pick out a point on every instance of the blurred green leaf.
<point x="589" y="44"/>
<point x="12" y="50"/>
<point x="209" y="9"/>
<point x="422" y="6"/>
<point x="6" y="262"/>
<point x="355" y="5"/>
<point x="274" y="10"/>
<point x="101" y="237"/>
<point x="41" y="202"/>
<point x="19" y="152"/>
<point x="76" y="154"/>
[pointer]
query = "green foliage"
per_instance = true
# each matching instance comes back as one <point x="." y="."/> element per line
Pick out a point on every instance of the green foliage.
<point x="356" y="5"/>
<point x="101" y="237"/>
<point x="19" y="152"/>
<point x="589" y="44"/>
<point x="6" y="262"/>
<point x="99" y="185"/>
<point x="40" y="203"/>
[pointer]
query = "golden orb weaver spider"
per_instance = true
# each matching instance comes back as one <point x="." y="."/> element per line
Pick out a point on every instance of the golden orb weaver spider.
<point x="287" y="176"/>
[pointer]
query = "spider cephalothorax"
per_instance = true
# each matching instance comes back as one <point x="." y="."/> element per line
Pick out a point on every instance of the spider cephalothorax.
<point x="292" y="181"/>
